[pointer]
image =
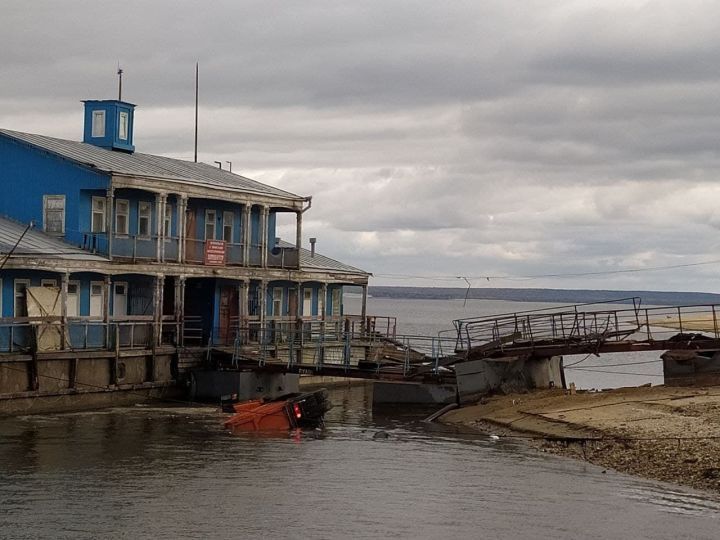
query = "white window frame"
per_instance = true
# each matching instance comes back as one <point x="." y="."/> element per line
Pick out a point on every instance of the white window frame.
<point x="125" y="213"/>
<point x="103" y="213"/>
<point x="77" y="299"/>
<point x="144" y="206"/>
<point x="46" y="211"/>
<point x="277" y="296"/>
<point x="228" y="221"/>
<point x="100" y="284"/>
<point x="307" y="296"/>
<point x="48" y="283"/>
<point x="123" y="127"/>
<point x="17" y="282"/>
<point x="211" y="223"/>
<point x="167" y="222"/>
<point x="98" y="123"/>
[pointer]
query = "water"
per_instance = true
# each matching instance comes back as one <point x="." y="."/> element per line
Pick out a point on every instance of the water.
<point x="157" y="472"/>
<point x="173" y="472"/>
<point x="428" y="317"/>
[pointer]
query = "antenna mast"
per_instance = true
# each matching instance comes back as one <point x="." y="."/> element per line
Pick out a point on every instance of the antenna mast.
<point x="196" y="107"/>
<point x="119" y="72"/>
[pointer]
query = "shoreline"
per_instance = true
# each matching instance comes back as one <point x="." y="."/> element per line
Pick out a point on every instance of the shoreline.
<point x="660" y="433"/>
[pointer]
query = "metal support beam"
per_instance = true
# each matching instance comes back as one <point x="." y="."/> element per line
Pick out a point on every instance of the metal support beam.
<point x="363" y="309"/>
<point x="298" y="230"/>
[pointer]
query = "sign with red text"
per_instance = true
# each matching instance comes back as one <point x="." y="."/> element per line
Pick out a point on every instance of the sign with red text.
<point x="215" y="252"/>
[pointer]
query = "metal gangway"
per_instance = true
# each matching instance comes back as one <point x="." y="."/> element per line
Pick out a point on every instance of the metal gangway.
<point x="599" y="327"/>
<point x="367" y="351"/>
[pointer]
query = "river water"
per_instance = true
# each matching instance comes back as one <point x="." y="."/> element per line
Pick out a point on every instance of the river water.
<point x="172" y="471"/>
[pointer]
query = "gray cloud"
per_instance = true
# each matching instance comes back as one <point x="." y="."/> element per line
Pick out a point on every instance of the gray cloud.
<point x="463" y="138"/>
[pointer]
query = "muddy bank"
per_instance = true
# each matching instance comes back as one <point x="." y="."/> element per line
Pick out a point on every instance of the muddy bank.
<point x="669" y="434"/>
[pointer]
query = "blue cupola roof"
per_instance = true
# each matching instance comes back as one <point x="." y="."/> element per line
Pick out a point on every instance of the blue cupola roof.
<point x="109" y="124"/>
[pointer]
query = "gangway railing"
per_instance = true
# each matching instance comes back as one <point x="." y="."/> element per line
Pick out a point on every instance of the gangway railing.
<point x="584" y="324"/>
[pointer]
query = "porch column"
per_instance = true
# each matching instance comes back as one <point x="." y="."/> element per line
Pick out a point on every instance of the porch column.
<point x="262" y="301"/>
<point x="179" y="308"/>
<point x="159" y="293"/>
<point x="247" y="236"/>
<point x="264" y="236"/>
<point x="182" y="210"/>
<point x="158" y="226"/>
<point x="322" y="308"/>
<point x="106" y="310"/>
<point x="109" y="213"/>
<point x="298" y="231"/>
<point x="64" y="278"/>
<point x="363" y="309"/>
<point x="163" y="216"/>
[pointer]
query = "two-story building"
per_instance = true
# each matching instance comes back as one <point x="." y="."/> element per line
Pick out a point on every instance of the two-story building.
<point x="142" y="257"/>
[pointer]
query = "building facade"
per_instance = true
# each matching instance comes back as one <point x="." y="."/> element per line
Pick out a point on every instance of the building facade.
<point x="144" y="257"/>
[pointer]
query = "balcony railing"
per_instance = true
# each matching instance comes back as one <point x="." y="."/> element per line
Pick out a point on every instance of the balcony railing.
<point x="131" y="247"/>
<point x="23" y="334"/>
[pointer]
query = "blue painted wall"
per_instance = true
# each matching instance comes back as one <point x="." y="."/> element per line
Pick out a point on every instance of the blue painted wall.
<point x="111" y="139"/>
<point x="200" y="206"/>
<point x="42" y="173"/>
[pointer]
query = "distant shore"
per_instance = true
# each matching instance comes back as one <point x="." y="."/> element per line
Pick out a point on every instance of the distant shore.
<point x="558" y="296"/>
<point x="668" y="434"/>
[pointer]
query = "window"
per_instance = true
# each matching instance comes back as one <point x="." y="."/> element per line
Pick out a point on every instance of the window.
<point x="123" y="126"/>
<point x="228" y="218"/>
<point x="98" y="214"/>
<point x="167" y="225"/>
<point x="307" y="302"/>
<point x="120" y="305"/>
<point x="122" y="213"/>
<point x="210" y="218"/>
<point x="48" y="283"/>
<point x="73" y="299"/>
<point x="277" y="301"/>
<point x="20" y="308"/>
<point x="98" y="123"/>
<point x="144" y="213"/>
<point x="96" y="298"/>
<point x="54" y="214"/>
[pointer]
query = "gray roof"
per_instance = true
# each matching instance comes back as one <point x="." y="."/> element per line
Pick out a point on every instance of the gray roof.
<point x="36" y="243"/>
<point x="148" y="165"/>
<point x="321" y="262"/>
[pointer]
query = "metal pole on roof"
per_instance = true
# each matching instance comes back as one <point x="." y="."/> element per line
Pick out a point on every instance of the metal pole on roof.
<point x="197" y="76"/>
<point x="119" y="72"/>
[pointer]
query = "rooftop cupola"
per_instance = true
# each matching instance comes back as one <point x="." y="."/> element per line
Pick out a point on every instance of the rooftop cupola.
<point x="109" y="124"/>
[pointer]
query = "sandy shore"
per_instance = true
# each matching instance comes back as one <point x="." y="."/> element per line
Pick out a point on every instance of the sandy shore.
<point x="670" y="434"/>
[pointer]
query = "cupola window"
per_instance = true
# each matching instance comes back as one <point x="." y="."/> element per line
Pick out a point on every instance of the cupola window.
<point x="98" y="123"/>
<point x="123" y="126"/>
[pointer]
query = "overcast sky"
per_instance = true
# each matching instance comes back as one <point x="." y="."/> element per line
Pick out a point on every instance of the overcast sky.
<point x="479" y="138"/>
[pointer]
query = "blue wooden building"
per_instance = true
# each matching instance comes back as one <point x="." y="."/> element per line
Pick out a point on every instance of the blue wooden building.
<point x="145" y="253"/>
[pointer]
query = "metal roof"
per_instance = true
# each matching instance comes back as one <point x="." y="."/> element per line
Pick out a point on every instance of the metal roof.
<point x="321" y="262"/>
<point x="36" y="243"/>
<point x="148" y="165"/>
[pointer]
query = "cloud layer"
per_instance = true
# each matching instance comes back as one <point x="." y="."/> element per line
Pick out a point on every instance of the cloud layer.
<point x="447" y="139"/>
